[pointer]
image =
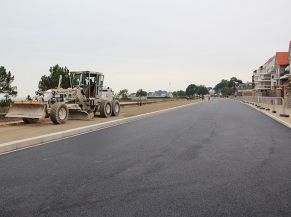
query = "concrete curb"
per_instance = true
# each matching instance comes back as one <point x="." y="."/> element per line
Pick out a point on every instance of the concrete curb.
<point x="34" y="141"/>
<point x="269" y="115"/>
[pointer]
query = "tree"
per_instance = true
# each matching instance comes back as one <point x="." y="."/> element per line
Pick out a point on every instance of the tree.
<point x="227" y="91"/>
<point x="52" y="81"/>
<point x="5" y="102"/>
<point x="179" y="93"/>
<point x="6" y="87"/>
<point x="234" y="79"/>
<point x="191" y="90"/>
<point x="28" y="98"/>
<point x="220" y="86"/>
<point x="227" y="87"/>
<point x="175" y="94"/>
<point x="234" y="82"/>
<point x="123" y="94"/>
<point x="202" y="90"/>
<point x="140" y="93"/>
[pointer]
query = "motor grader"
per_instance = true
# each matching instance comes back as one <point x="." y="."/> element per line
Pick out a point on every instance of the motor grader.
<point x="86" y="98"/>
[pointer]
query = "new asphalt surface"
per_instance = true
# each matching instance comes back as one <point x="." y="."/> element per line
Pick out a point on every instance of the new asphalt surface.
<point x="219" y="158"/>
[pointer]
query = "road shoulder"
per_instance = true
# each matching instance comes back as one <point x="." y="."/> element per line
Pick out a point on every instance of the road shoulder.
<point x="274" y="116"/>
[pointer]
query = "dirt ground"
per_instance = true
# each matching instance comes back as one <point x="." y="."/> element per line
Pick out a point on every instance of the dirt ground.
<point x="3" y="119"/>
<point x="23" y="131"/>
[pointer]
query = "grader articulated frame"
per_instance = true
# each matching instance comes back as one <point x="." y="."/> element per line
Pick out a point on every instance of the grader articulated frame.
<point x="86" y="98"/>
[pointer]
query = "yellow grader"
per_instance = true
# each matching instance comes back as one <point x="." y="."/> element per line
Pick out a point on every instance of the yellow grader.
<point x="86" y="98"/>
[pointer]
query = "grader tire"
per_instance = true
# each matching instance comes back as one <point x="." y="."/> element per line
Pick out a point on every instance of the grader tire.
<point x="30" y="120"/>
<point x="105" y="109"/>
<point x="115" y="108"/>
<point x="59" y="113"/>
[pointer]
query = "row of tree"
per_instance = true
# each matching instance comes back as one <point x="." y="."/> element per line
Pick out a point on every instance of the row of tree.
<point x="191" y="90"/>
<point x="52" y="80"/>
<point x="8" y="90"/>
<point x="45" y="83"/>
<point x="124" y="94"/>
<point x="179" y="93"/>
<point x="227" y="87"/>
<point x="224" y="87"/>
<point x="196" y="90"/>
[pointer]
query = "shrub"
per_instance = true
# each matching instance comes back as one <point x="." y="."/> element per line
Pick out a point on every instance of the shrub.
<point x="5" y="102"/>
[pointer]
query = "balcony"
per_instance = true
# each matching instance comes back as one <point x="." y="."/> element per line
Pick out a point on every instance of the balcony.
<point x="262" y="87"/>
<point x="262" y="79"/>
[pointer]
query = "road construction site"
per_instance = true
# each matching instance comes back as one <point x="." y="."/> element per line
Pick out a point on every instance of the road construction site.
<point x="220" y="158"/>
<point x="17" y="130"/>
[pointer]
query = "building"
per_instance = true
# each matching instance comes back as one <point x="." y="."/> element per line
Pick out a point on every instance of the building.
<point x="285" y="80"/>
<point x="281" y="64"/>
<point x="245" y="89"/>
<point x="273" y="78"/>
<point x="262" y="77"/>
<point x="160" y="93"/>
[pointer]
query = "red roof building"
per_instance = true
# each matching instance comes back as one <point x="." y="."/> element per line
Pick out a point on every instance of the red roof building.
<point x="282" y="58"/>
<point x="282" y="64"/>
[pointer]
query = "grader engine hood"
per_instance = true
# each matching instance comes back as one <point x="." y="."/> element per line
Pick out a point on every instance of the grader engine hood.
<point x="26" y="109"/>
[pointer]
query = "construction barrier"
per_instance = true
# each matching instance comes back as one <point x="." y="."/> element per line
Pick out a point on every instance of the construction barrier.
<point x="272" y="104"/>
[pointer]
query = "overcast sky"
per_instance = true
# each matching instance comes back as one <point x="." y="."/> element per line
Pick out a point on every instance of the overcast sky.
<point x="142" y="44"/>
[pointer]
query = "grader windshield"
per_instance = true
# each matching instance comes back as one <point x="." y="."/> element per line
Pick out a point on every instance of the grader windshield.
<point x="91" y="82"/>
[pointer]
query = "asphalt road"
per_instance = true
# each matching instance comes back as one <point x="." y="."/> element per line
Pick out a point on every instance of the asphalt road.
<point x="220" y="158"/>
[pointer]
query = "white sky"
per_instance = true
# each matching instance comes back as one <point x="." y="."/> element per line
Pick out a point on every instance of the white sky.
<point x="142" y="44"/>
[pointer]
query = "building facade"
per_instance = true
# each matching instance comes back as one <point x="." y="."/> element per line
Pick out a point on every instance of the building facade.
<point x="281" y="64"/>
<point x="262" y="77"/>
<point x="274" y="77"/>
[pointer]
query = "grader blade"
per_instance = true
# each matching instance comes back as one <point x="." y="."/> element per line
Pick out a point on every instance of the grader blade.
<point x="26" y="109"/>
<point x="80" y="115"/>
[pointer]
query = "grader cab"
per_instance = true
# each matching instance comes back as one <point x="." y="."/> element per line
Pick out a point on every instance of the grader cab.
<point x="86" y="98"/>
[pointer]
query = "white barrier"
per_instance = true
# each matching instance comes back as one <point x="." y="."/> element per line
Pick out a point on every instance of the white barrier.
<point x="267" y="103"/>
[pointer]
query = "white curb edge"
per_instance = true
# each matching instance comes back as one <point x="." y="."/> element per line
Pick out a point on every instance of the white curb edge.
<point x="43" y="139"/>
<point x="269" y="115"/>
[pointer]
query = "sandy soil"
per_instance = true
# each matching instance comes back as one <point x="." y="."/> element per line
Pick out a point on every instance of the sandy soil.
<point x="3" y="119"/>
<point x="22" y="131"/>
